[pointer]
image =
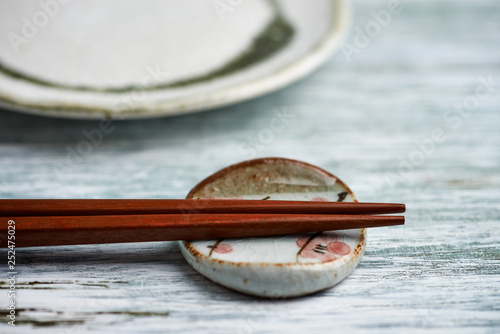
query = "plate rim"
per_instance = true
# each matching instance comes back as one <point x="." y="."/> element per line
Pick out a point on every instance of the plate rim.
<point x="204" y="101"/>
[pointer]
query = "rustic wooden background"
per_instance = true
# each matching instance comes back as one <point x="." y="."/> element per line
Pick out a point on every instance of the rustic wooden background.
<point x="362" y="117"/>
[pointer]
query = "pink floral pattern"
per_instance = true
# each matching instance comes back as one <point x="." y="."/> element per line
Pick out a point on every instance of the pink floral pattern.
<point x="223" y="248"/>
<point x="324" y="247"/>
<point x="220" y="248"/>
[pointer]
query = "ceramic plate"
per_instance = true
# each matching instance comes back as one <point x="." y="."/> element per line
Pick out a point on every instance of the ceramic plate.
<point x="277" y="266"/>
<point x="128" y="59"/>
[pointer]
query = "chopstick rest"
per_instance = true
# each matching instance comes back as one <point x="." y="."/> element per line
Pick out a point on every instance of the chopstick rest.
<point x="278" y="266"/>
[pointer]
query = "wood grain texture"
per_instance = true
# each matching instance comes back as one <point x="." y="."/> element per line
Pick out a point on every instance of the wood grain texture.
<point x="359" y="120"/>
<point x="81" y="230"/>
<point x="97" y="207"/>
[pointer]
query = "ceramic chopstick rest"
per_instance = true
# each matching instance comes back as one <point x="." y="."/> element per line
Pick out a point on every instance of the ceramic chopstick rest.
<point x="277" y="266"/>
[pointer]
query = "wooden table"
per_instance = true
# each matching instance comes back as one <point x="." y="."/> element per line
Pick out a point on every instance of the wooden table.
<point x="361" y="118"/>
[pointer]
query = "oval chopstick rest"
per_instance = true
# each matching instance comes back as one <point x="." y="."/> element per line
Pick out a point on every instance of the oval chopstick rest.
<point x="277" y="266"/>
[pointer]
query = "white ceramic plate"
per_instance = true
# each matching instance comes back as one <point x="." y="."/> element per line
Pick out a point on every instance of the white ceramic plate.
<point x="276" y="266"/>
<point x="134" y="59"/>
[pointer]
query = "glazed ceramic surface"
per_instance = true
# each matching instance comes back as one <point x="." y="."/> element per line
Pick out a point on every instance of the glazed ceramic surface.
<point x="276" y="266"/>
<point x="124" y="59"/>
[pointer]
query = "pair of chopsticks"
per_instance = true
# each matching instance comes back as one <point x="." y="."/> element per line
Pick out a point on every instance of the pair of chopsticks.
<point x="74" y="222"/>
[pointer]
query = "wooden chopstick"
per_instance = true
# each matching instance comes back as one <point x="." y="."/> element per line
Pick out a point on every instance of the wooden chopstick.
<point x="75" y="230"/>
<point x="77" y="207"/>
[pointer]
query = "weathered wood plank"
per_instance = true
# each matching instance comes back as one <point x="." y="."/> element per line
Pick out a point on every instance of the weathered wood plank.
<point x="358" y="119"/>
